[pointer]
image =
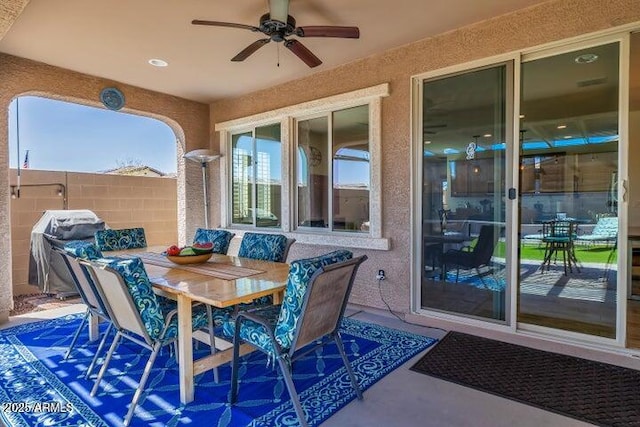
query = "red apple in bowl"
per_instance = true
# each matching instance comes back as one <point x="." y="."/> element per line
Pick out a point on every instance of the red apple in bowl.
<point x="173" y="250"/>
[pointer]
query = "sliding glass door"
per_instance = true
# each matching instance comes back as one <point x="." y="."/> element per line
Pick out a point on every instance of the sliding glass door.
<point x="465" y="135"/>
<point x="568" y="191"/>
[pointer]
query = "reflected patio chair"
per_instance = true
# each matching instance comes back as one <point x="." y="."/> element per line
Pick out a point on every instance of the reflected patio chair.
<point x="558" y="237"/>
<point x="70" y="254"/>
<point x="220" y="239"/>
<point x="605" y="231"/>
<point x="474" y="259"/>
<point x="125" y="238"/>
<point x="138" y="314"/>
<point x="314" y="302"/>
<point x="268" y="247"/>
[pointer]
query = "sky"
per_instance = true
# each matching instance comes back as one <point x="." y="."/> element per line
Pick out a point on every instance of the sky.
<point x="62" y="136"/>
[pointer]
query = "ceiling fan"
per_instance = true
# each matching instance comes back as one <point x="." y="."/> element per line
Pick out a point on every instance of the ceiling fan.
<point x="277" y="25"/>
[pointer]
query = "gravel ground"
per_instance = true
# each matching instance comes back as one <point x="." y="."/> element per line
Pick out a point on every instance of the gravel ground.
<point x="23" y="304"/>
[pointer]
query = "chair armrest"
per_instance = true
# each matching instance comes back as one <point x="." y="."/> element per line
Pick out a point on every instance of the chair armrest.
<point x="268" y="327"/>
<point x="251" y="315"/>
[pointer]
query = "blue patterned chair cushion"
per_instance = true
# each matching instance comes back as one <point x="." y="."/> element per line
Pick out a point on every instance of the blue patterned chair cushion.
<point x="268" y="247"/>
<point x="284" y="318"/>
<point x="300" y="274"/>
<point x="154" y="309"/>
<point x="126" y="238"/>
<point x="146" y="301"/>
<point x="254" y="332"/>
<point x="219" y="238"/>
<point x="83" y="249"/>
<point x="198" y="319"/>
<point x="606" y="229"/>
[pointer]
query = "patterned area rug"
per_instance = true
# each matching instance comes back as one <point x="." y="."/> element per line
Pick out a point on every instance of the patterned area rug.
<point x="47" y="390"/>
<point x="591" y="283"/>
<point x="594" y="392"/>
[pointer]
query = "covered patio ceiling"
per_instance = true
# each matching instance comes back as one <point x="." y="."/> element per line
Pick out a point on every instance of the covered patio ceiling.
<point x="115" y="39"/>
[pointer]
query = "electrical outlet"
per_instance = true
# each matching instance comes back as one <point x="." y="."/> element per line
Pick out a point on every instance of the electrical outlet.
<point x="381" y="275"/>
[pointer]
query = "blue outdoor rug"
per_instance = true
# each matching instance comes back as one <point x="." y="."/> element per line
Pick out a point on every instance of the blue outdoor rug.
<point x="45" y="390"/>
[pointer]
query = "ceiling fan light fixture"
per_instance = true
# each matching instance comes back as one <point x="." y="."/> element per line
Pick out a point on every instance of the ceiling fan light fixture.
<point x="279" y="10"/>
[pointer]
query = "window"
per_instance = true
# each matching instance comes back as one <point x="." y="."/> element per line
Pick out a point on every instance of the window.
<point x="334" y="194"/>
<point x="256" y="176"/>
<point x="311" y="170"/>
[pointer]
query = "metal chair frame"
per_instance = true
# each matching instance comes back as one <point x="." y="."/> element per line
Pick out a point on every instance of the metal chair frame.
<point x="325" y="300"/>
<point x="129" y="325"/>
<point x="90" y="297"/>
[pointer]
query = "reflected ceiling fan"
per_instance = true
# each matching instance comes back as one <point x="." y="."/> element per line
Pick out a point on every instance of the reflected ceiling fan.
<point x="277" y="25"/>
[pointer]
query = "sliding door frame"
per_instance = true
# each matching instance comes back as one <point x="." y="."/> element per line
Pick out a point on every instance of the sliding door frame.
<point x="511" y="62"/>
<point x="620" y="35"/>
<point x="623" y="147"/>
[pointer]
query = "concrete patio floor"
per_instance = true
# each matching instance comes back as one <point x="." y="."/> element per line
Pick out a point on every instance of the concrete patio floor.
<point x="407" y="398"/>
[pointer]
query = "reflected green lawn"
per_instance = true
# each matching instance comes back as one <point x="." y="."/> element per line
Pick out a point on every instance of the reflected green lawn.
<point x="588" y="254"/>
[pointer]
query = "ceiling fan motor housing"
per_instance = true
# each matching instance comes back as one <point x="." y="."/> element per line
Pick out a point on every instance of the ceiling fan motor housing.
<point x="275" y="29"/>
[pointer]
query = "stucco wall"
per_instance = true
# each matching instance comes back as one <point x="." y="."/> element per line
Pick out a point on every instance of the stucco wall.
<point x="530" y="27"/>
<point x="120" y="201"/>
<point x="188" y="119"/>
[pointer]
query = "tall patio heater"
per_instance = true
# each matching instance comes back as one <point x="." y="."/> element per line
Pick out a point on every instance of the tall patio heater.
<point x="203" y="156"/>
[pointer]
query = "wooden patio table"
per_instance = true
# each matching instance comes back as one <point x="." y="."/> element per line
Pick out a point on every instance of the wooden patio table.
<point x="223" y="281"/>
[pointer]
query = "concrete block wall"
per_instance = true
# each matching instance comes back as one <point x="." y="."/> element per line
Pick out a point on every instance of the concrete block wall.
<point x="121" y="201"/>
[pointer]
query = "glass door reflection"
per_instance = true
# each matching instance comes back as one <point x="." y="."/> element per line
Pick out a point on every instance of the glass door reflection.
<point x="463" y="209"/>
<point x="568" y="202"/>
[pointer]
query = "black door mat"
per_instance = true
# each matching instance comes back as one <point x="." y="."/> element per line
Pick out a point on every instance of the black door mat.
<point x="594" y="392"/>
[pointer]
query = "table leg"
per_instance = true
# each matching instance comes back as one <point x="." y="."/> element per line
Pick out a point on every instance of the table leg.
<point x="278" y="297"/>
<point x="185" y="349"/>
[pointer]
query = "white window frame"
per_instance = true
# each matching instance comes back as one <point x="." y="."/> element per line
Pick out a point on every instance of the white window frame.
<point x="286" y="116"/>
<point x="254" y="195"/>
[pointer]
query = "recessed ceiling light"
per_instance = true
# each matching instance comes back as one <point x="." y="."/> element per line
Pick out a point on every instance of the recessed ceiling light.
<point x="586" y="58"/>
<point x="487" y="135"/>
<point x="427" y="142"/>
<point x="568" y="137"/>
<point x="562" y="126"/>
<point x="158" y="62"/>
<point x="522" y="116"/>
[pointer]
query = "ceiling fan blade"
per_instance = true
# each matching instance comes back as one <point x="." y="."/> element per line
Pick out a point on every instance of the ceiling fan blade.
<point x="247" y="51"/>
<point x="328" y="31"/>
<point x="303" y="53"/>
<point x="225" y="24"/>
<point x="279" y="10"/>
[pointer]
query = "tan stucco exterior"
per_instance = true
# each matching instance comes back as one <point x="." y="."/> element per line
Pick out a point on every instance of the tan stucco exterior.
<point x="194" y="122"/>
<point x="538" y="25"/>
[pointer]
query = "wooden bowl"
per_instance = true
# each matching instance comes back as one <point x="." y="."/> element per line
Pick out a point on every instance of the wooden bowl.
<point x="189" y="259"/>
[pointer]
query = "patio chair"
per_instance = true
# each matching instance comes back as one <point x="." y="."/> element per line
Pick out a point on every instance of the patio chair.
<point x="268" y="247"/>
<point x="116" y="240"/>
<point x="605" y="231"/>
<point x="87" y="291"/>
<point x="314" y="302"/>
<point x="474" y="259"/>
<point x="219" y="238"/>
<point x="138" y="314"/>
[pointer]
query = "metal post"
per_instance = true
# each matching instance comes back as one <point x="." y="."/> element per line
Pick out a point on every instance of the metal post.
<point x="204" y="190"/>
